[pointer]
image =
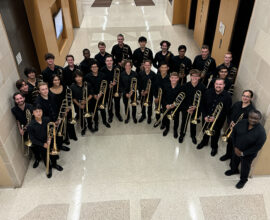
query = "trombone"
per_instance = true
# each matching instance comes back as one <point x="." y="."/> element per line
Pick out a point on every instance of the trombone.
<point x="157" y="109"/>
<point x="182" y="73"/>
<point x="51" y="133"/>
<point x="178" y="100"/>
<point x="116" y="77"/>
<point x="205" y="68"/>
<point x="71" y="106"/>
<point x="62" y="117"/>
<point x="28" y="142"/>
<point x="210" y="125"/>
<point x="85" y="98"/>
<point x="196" y="103"/>
<point x="145" y="101"/>
<point x="102" y="91"/>
<point x="133" y="88"/>
<point x="229" y="131"/>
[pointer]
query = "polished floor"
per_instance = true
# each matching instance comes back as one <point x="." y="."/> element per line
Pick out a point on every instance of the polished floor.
<point x="132" y="172"/>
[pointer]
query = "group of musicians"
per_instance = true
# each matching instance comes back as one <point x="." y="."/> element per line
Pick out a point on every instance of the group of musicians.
<point x="47" y="106"/>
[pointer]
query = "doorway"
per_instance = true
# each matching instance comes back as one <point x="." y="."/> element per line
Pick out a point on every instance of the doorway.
<point x="192" y="15"/>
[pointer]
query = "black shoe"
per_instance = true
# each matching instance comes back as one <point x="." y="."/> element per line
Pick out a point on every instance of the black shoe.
<point x="107" y="124"/>
<point x="119" y="117"/>
<point x="110" y="119"/>
<point x="240" y="184"/>
<point x="165" y="132"/>
<point x="194" y="140"/>
<point x="141" y="119"/>
<point x="67" y="142"/>
<point x="96" y="127"/>
<point x="162" y="126"/>
<point x="36" y="163"/>
<point x="225" y="157"/>
<point x="231" y="172"/>
<point x="83" y="132"/>
<point x="49" y="175"/>
<point x="74" y="139"/>
<point x="200" y="146"/>
<point x="213" y="152"/>
<point x="181" y="139"/>
<point x="149" y="120"/>
<point x="175" y="135"/>
<point x="64" y="148"/>
<point x="58" y="167"/>
<point x="135" y="120"/>
<point x="126" y="121"/>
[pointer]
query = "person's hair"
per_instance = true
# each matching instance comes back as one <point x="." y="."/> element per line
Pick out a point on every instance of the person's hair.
<point x="174" y="74"/>
<point x="167" y="42"/>
<point x="222" y="67"/>
<point x="255" y="111"/>
<point x="181" y="47"/>
<point x="142" y="39"/>
<point x="77" y="73"/>
<point x="17" y="93"/>
<point x="148" y="61"/>
<point x="56" y="75"/>
<point x="85" y="50"/>
<point x="109" y="56"/>
<point x="128" y="61"/>
<point x="195" y="72"/>
<point x="49" y="56"/>
<point x="36" y="107"/>
<point x="19" y="83"/>
<point x="29" y="70"/>
<point x="101" y="43"/>
<point x="205" y="47"/>
<point x="42" y="84"/>
<point x="250" y="92"/>
<point x="94" y="63"/>
<point x="163" y="63"/>
<point x="120" y="35"/>
<point x="229" y="53"/>
<point x="219" y="79"/>
<point x="69" y="55"/>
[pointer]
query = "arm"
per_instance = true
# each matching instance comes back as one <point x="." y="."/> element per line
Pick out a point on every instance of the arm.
<point x="32" y="137"/>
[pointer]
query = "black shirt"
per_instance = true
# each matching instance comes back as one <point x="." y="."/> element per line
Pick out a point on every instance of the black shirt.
<point x="95" y="81"/>
<point x="32" y="92"/>
<point x="20" y="115"/>
<point x="177" y="61"/>
<point x="117" y="53"/>
<point x="58" y="98"/>
<point x="101" y="59"/>
<point x="237" y="110"/>
<point x="38" y="132"/>
<point x="85" y="65"/>
<point x="248" y="141"/>
<point x="160" y="83"/>
<point x="48" y="73"/>
<point x="228" y="84"/>
<point x="143" y="80"/>
<point x="138" y="57"/>
<point x="77" y="91"/>
<point x="125" y="81"/>
<point x="49" y="106"/>
<point x="68" y="75"/>
<point x="215" y="73"/>
<point x="160" y="58"/>
<point x="171" y="93"/>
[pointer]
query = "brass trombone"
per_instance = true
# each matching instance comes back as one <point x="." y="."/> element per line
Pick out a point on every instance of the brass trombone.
<point x="116" y="78"/>
<point x="85" y="98"/>
<point x="229" y="131"/>
<point x="182" y="73"/>
<point x="205" y="68"/>
<point x="28" y="142"/>
<point x="62" y="117"/>
<point x="148" y="89"/>
<point x="71" y="106"/>
<point x="51" y="133"/>
<point x="102" y="91"/>
<point x="133" y="88"/>
<point x="157" y="109"/>
<point x="178" y="100"/>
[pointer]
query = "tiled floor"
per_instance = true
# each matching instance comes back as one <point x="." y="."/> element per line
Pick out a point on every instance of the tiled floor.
<point x="131" y="171"/>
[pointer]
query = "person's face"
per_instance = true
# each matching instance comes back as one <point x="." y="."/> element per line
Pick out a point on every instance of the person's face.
<point x="227" y="58"/>
<point x="50" y="61"/>
<point x="142" y="44"/>
<point x="120" y="40"/>
<point x="194" y="78"/>
<point x="19" y="100"/>
<point x="205" y="53"/>
<point x="94" y="68"/>
<point x="219" y="85"/>
<point x="101" y="48"/>
<point x="246" y="97"/>
<point x="56" y="81"/>
<point x="223" y="73"/>
<point x="253" y="119"/>
<point x="78" y="79"/>
<point x="24" y="88"/>
<point x="109" y="62"/>
<point x="128" y="67"/>
<point x="174" y="79"/>
<point x="37" y="113"/>
<point x="86" y="54"/>
<point x="147" y="66"/>
<point x="164" y="47"/>
<point x="182" y="52"/>
<point x="70" y="61"/>
<point x="163" y="69"/>
<point x="44" y="91"/>
<point x="32" y="75"/>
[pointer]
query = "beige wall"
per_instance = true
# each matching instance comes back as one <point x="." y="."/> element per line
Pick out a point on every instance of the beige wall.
<point x="13" y="164"/>
<point x="254" y="73"/>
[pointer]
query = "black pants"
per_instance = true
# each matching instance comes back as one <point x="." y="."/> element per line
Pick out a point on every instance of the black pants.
<point x="245" y="161"/>
<point x="102" y="111"/>
<point x="134" y="108"/>
<point x="84" y="121"/>
<point x="70" y="133"/>
<point x="184" y="114"/>
<point x="116" y="103"/>
<point x="229" y="149"/>
<point x="149" y="109"/>
<point x="214" y="138"/>
<point x="167" y="122"/>
<point x="43" y="154"/>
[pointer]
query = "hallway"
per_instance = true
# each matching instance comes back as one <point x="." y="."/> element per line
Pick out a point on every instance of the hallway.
<point x="132" y="172"/>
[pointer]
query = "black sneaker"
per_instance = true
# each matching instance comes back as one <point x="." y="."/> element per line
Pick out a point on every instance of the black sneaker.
<point x="225" y="157"/>
<point x="149" y="120"/>
<point x="135" y="120"/>
<point x="141" y="119"/>
<point x="213" y="152"/>
<point x="231" y="172"/>
<point x="119" y="118"/>
<point x="64" y="148"/>
<point x="36" y="163"/>
<point x="175" y="135"/>
<point x="67" y="142"/>
<point x="162" y="126"/>
<point x="200" y="146"/>
<point x="194" y="140"/>
<point x="181" y="139"/>
<point x="165" y="132"/>
<point x="126" y="121"/>
<point x="83" y="132"/>
<point x="110" y="119"/>
<point x="240" y="184"/>
<point x="57" y="167"/>
<point x="107" y="124"/>
<point x="49" y="175"/>
<point x="96" y="127"/>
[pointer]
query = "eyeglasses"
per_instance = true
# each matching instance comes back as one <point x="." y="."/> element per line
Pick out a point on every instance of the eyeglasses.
<point x="246" y="96"/>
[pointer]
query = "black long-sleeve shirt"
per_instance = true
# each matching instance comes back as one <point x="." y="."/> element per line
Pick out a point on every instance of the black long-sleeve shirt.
<point x="237" y="110"/>
<point x="48" y="73"/>
<point x="49" y="106"/>
<point x="77" y="91"/>
<point x="38" y="132"/>
<point x="101" y="59"/>
<point x="167" y="58"/>
<point x="95" y="81"/>
<point x="248" y="141"/>
<point x="143" y="80"/>
<point x="177" y="61"/>
<point x="117" y="53"/>
<point x="68" y="75"/>
<point x="125" y="81"/>
<point x="20" y="115"/>
<point x="170" y="93"/>
<point x="160" y="83"/>
<point x="85" y="65"/>
<point x="138" y="57"/>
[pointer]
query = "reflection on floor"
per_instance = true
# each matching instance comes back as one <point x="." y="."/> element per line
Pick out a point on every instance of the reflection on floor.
<point x="131" y="171"/>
